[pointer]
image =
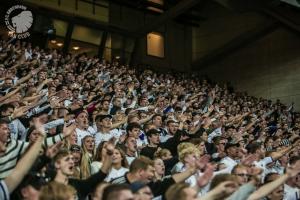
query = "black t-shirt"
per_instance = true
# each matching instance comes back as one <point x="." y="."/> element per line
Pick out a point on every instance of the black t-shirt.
<point x="148" y="151"/>
<point x="84" y="187"/>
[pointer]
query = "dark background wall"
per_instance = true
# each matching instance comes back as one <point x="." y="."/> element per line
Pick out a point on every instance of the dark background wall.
<point x="269" y="67"/>
<point x="177" y="37"/>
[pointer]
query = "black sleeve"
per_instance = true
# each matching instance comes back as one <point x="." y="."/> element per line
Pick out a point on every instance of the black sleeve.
<point x="169" y="164"/>
<point x="40" y="163"/>
<point x="171" y="144"/>
<point x="84" y="187"/>
<point x="148" y="152"/>
<point x="160" y="187"/>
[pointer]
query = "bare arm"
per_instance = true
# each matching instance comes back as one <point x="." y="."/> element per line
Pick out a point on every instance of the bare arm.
<point x="142" y="121"/>
<point x="183" y="175"/>
<point x="24" y="165"/>
<point x="268" y="188"/>
<point x="10" y="94"/>
<point x="117" y="125"/>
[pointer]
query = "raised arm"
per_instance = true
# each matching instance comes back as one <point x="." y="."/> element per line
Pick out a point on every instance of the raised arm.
<point x="24" y="165"/>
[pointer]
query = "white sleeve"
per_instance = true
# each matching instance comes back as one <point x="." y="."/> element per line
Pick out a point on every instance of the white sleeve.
<point x="54" y="123"/>
<point x="264" y="162"/>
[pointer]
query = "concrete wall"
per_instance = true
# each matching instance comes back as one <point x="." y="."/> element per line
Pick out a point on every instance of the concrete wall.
<point x="269" y="67"/>
<point x="221" y="26"/>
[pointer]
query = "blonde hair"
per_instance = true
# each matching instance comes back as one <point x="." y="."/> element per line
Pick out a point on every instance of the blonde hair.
<point x="86" y="160"/>
<point x="183" y="145"/>
<point x="161" y="153"/>
<point x="57" y="191"/>
<point x="187" y="149"/>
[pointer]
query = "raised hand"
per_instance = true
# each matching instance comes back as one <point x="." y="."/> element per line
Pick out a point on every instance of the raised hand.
<point x="39" y="126"/>
<point x="248" y="160"/>
<point x="19" y="112"/>
<point x="110" y="146"/>
<point x="202" y="162"/>
<point x="207" y="175"/>
<point x="68" y="130"/>
<point x="54" y="102"/>
<point x="53" y="150"/>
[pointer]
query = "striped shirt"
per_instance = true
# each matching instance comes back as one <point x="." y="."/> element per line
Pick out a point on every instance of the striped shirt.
<point x="14" y="151"/>
<point x="4" y="193"/>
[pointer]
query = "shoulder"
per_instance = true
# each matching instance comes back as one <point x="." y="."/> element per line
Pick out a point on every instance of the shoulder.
<point x="4" y="193"/>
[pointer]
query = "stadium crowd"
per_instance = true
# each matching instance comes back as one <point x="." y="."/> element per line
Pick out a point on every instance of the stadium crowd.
<point x="77" y="127"/>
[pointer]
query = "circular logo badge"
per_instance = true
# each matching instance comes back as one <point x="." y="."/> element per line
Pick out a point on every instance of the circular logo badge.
<point x="19" y="20"/>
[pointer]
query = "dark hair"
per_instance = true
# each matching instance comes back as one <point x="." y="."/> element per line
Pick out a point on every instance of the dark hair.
<point x="294" y="159"/>
<point x="3" y="121"/>
<point x="112" y="192"/>
<point x="5" y="107"/>
<point x="170" y="122"/>
<point x="156" y="115"/>
<point x="132" y="125"/>
<point x="253" y="147"/>
<point x="152" y="132"/>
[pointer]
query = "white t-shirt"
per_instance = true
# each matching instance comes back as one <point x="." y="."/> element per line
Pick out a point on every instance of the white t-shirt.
<point x="291" y="193"/>
<point x="100" y="137"/>
<point x="229" y="162"/>
<point x="95" y="167"/>
<point x="263" y="165"/>
<point x="82" y="133"/>
<point x="116" y="173"/>
<point x="130" y="159"/>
